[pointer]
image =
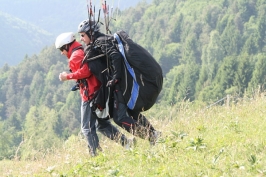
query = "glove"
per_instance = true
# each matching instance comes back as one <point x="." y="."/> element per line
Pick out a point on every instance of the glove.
<point x="112" y="82"/>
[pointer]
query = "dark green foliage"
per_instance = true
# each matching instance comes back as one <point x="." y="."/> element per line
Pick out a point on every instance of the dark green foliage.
<point x="261" y="29"/>
<point x="170" y="56"/>
<point x="226" y="74"/>
<point x="259" y="75"/>
<point x="243" y="74"/>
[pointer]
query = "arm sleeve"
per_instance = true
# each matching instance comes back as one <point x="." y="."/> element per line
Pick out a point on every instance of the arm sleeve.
<point x="77" y="72"/>
<point x="83" y="72"/>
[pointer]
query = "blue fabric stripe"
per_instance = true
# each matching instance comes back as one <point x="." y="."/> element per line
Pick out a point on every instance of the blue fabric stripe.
<point x="135" y="88"/>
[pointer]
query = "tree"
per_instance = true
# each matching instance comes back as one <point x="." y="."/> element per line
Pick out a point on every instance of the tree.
<point x="7" y="145"/>
<point x="212" y="57"/>
<point x="225" y="76"/>
<point x="212" y="15"/>
<point x="40" y="129"/>
<point x="190" y="51"/>
<point x="170" y="56"/>
<point x="231" y="39"/>
<point x="215" y="54"/>
<point x="36" y="88"/>
<point x="171" y="92"/>
<point x="259" y="74"/>
<point x="243" y="74"/>
<point x="262" y="29"/>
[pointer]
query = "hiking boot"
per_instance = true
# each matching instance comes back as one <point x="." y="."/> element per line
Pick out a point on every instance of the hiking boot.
<point x="154" y="136"/>
<point x="130" y="143"/>
<point x="94" y="153"/>
<point x="99" y="149"/>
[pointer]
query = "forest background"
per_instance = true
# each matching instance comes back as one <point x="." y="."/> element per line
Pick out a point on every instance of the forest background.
<point x="207" y="49"/>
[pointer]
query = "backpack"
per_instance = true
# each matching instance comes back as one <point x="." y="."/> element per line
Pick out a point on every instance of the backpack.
<point x="143" y="75"/>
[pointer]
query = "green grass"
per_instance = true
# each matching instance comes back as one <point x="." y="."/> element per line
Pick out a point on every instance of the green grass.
<point x="219" y="141"/>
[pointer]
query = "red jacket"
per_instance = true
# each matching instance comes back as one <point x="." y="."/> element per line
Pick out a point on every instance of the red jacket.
<point x="75" y="60"/>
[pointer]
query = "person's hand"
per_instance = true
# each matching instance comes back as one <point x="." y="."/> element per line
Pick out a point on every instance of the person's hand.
<point x="111" y="83"/>
<point x="63" y="76"/>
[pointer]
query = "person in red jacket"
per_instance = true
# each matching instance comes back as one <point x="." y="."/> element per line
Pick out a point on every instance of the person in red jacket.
<point x="88" y="85"/>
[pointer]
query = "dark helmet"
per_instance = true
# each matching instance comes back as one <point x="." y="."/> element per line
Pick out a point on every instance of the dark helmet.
<point x="89" y="27"/>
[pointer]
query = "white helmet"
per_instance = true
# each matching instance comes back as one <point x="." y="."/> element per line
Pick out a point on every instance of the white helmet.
<point x="63" y="39"/>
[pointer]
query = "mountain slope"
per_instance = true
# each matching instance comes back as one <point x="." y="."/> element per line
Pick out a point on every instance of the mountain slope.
<point x="55" y="16"/>
<point x="19" y="38"/>
<point x="28" y="26"/>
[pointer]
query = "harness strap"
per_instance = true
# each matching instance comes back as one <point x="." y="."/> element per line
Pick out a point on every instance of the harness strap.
<point x="76" y="48"/>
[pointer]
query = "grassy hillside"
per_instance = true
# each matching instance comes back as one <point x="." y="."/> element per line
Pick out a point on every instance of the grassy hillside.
<point x="219" y="141"/>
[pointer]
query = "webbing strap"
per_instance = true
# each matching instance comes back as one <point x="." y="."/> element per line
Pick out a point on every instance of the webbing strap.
<point x="76" y="48"/>
<point x="135" y="88"/>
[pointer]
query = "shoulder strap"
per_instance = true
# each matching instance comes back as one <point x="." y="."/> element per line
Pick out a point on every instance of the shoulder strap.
<point x="77" y="48"/>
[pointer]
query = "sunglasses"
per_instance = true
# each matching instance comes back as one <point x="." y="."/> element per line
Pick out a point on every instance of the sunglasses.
<point x="62" y="48"/>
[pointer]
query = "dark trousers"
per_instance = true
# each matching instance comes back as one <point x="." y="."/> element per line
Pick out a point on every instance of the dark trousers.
<point x="132" y="121"/>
